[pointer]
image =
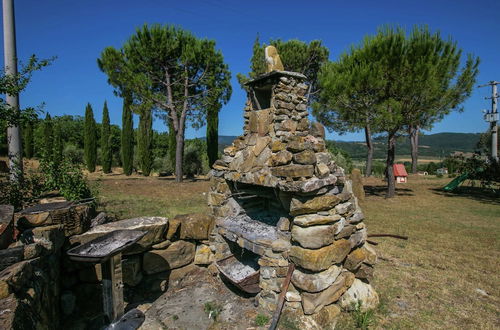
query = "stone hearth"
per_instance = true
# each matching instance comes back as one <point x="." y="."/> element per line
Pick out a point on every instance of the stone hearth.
<point x="277" y="192"/>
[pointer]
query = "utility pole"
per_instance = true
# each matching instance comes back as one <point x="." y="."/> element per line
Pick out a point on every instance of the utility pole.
<point x="10" y="61"/>
<point x="492" y="117"/>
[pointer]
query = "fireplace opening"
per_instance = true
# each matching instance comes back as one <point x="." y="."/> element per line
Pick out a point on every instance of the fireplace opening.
<point x="261" y="97"/>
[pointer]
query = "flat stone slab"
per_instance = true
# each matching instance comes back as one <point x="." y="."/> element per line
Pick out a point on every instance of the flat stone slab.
<point x="249" y="229"/>
<point x="155" y="228"/>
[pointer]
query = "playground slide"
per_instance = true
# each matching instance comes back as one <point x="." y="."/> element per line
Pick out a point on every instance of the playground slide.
<point x="456" y="182"/>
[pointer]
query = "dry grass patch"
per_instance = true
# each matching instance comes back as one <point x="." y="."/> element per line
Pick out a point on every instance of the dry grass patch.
<point x="433" y="280"/>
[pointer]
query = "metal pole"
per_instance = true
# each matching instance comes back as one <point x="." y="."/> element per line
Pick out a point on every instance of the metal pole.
<point x="494" y="126"/>
<point x="10" y="61"/>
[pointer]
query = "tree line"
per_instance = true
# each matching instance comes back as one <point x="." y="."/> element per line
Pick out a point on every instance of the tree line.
<point x="393" y="83"/>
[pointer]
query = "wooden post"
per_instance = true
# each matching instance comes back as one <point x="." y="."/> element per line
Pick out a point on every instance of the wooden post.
<point x="112" y="287"/>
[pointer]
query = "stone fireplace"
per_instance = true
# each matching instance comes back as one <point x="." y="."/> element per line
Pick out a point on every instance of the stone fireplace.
<point x="277" y="192"/>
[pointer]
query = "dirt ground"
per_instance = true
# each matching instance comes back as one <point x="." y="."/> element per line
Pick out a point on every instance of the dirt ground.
<point x="444" y="277"/>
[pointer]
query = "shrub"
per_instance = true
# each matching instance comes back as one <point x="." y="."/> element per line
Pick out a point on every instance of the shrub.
<point x="73" y="154"/>
<point x="67" y="178"/>
<point x="341" y="157"/>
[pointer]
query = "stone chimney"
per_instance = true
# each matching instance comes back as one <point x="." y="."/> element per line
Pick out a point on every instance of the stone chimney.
<point x="277" y="193"/>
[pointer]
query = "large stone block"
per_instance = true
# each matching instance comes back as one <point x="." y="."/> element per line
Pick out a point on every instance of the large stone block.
<point x="195" y="226"/>
<point x="293" y="171"/>
<point x="316" y="204"/>
<point x="359" y="292"/>
<point x="203" y="255"/>
<point x="315" y="281"/>
<point x="315" y="219"/>
<point x="314" y="237"/>
<point x="306" y="157"/>
<point x="281" y="158"/>
<point x="178" y="254"/>
<point x="314" y="302"/>
<point x="155" y="228"/>
<point x="259" y="122"/>
<point x="320" y="259"/>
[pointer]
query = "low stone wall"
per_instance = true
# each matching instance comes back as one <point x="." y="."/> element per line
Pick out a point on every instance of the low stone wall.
<point x="170" y="248"/>
<point x="30" y="276"/>
<point x="40" y="287"/>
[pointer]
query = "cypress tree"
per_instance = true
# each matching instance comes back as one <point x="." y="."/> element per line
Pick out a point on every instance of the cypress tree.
<point x="127" y="138"/>
<point x="144" y="142"/>
<point x="28" y="140"/>
<point x="48" y="138"/>
<point x="57" y="152"/>
<point x="90" y="139"/>
<point x="105" y="140"/>
<point x="212" y="135"/>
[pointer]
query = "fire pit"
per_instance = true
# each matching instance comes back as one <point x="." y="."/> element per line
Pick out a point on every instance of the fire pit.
<point x="278" y="193"/>
<point x="107" y="250"/>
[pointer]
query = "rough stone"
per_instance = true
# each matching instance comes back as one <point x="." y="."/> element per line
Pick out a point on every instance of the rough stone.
<point x="195" y="226"/>
<point x="297" y="144"/>
<point x="315" y="219"/>
<point x="355" y="258"/>
<point x="314" y="237"/>
<point x="346" y="232"/>
<point x="154" y="227"/>
<point x="203" y="255"/>
<point x="281" y="158"/>
<point x="262" y="142"/>
<point x="320" y="259"/>
<point x="179" y="254"/>
<point x="291" y="296"/>
<point x="259" y="122"/>
<point x="327" y="317"/>
<point x="288" y="125"/>
<point x="6" y="225"/>
<point x="277" y="145"/>
<point x="306" y="157"/>
<point x="316" y="204"/>
<point x="315" y="282"/>
<point x="322" y="170"/>
<point x="344" y="208"/>
<point x="314" y="302"/>
<point x="213" y="199"/>
<point x="303" y="124"/>
<point x="283" y="224"/>
<point x="293" y="171"/>
<point x="317" y="130"/>
<point x="280" y="245"/>
<point x="358" y="238"/>
<point x="358" y="216"/>
<point x="359" y="292"/>
<point x="364" y="272"/>
<point x="357" y="184"/>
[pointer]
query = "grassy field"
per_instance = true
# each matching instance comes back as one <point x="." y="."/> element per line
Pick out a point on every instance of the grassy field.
<point x="445" y="276"/>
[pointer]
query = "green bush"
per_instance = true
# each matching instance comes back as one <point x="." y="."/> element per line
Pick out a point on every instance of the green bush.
<point x="22" y="194"/>
<point x="341" y="157"/>
<point x="73" y="154"/>
<point x="67" y="178"/>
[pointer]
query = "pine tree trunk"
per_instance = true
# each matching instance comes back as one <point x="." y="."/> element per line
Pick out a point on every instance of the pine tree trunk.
<point x="212" y="136"/>
<point x="389" y="170"/>
<point x="413" y="132"/>
<point x="369" y="153"/>
<point x="179" y="153"/>
<point x="172" y="142"/>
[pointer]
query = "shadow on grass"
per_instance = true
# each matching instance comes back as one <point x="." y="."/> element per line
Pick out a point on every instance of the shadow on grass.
<point x="380" y="191"/>
<point x="483" y="195"/>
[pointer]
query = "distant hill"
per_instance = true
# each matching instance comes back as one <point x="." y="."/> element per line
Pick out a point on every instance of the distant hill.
<point x="432" y="145"/>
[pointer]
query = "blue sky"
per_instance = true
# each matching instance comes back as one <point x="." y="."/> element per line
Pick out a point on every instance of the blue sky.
<point x="77" y="31"/>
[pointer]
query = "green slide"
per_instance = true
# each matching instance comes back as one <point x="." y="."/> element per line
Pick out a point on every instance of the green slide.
<point x="456" y="182"/>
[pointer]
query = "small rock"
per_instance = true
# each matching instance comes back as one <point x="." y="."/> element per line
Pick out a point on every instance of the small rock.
<point x="359" y="292"/>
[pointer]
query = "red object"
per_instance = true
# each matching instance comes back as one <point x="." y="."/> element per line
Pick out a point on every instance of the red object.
<point x="399" y="170"/>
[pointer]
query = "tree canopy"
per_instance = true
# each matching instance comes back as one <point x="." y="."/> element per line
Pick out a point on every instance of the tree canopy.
<point x="394" y="81"/>
<point x="168" y="69"/>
